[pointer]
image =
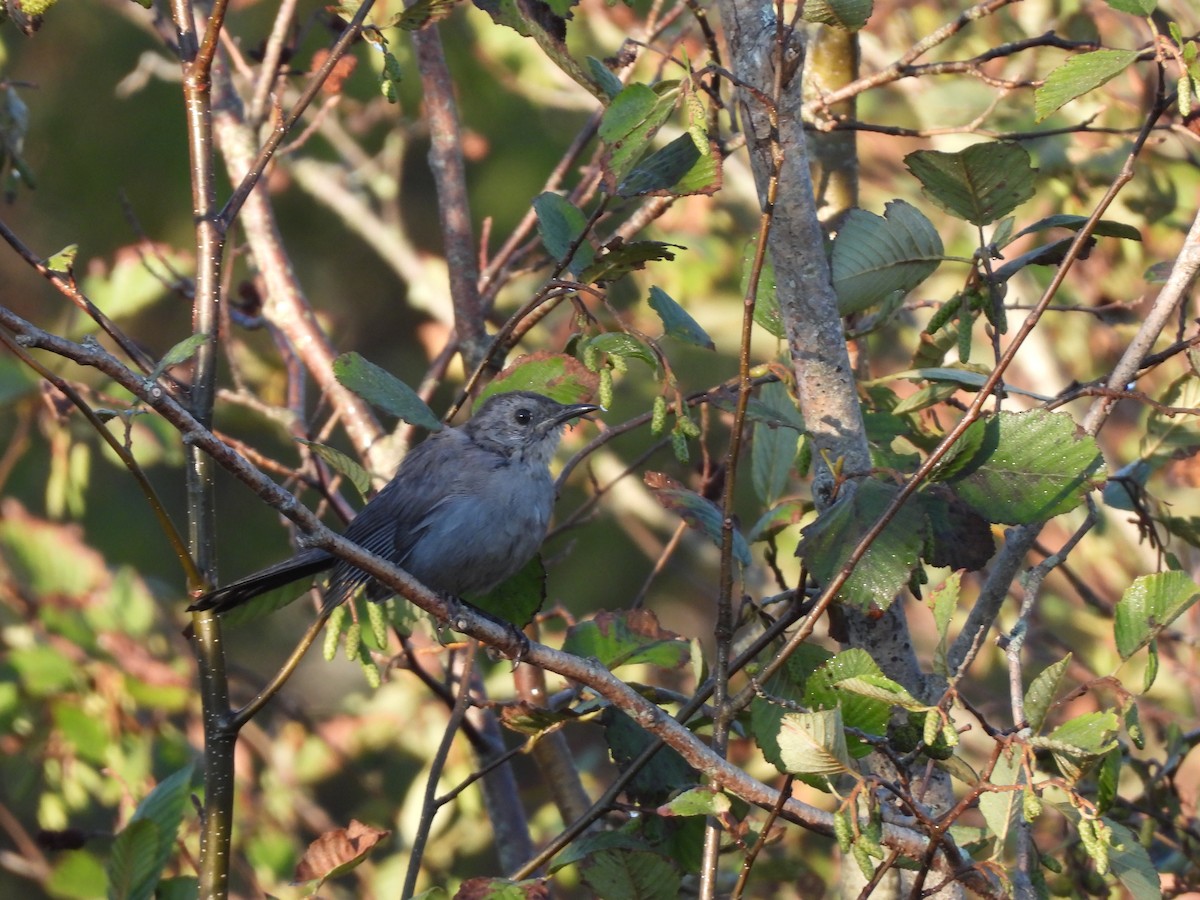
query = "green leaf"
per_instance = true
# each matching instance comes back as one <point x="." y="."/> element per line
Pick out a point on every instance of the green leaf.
<point x="1078" y="743"/>
<point x="677" y="323"/>
<point x="1000" y="809"/>
<point x="661" y="169"/>
<point x="1129" y="861"/>
<point x="384" y="390"/>
<point x="62" y="262"/>
<point x="1134" y="7"/>
<point x="885" y="568"/>
<point x="627" y="638"/>
<point x="776" y="519"/>
<point x="848" y="15"/>
<point x="560" y="223"/>
<point x="419" y="14"/>
<point x="877" y="256"/>
<point x="943" y="600"/>
<point x="630" y="873"/>
<point x="625" y="345"/>
<point x="982" y="184"/>
<point x="773" y="448"/>
<point x="1025" y="467"/>
<point x="854" y="683"/>
<point x="629" y="123"/>
<point x="700" y="513"/>
<point x="164" y="806"/>
<point x="1104" y="228"/>
<point x="1077" y="76"/>
<point x="699" y="801"/>
<point x="131" y="871"/>
<point x="604" y="77"/>
<point x="814" y="743"/>
<point x="1042" y="691"/>
<point x="555" y="375"/>
<point x="666" y="772"/>
<point x="1148" y="606"/>
<point x="517" y="599"/>
<point x="341" y="463"/>
<point x="181" y="352"/>
<point x="618" y="258"/>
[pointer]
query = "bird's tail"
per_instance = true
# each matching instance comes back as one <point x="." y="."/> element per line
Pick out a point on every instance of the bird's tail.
<point x="302" y="565"/>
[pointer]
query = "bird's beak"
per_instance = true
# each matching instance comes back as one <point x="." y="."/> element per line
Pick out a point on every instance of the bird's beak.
<point x="573" y="411"/>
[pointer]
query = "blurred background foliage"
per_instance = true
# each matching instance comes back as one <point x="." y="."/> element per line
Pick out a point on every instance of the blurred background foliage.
<point x="96" y="681"/>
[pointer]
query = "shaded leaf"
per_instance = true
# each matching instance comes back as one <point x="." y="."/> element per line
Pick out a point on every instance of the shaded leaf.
<point x="661" y="169"/>
<point x="631" y="120"/>
<point x="131" y="870"/>
<point x="341" y="463"/>
<point x="604" y="77"/>
<point x="181" y="352"/>
<point x="1040" y="695"/>
<point x="943" y="601"/>
<point x="637" y="873"/>
<point x="667" y="771"/>
<point x="981" y="184"/>
<point x="698" y="512"/>
<point x="384" y="390"/>
<point x="885" y="568"/>
<point x="677" y="322"/>
<point x="1148" y="606"/>
<point x="777" y="518"/>
<point x="1104" y="228"/>
<point x="560" y="223"/>
<point x="959" y="537"/>
<point x="1000" y="809"/>
<point x="1077" y="76"/>
<point x="517" y="599"/>
<point x="773" y="449"/>
<point x="618" y="258"/>
<point x="877" y="256"/>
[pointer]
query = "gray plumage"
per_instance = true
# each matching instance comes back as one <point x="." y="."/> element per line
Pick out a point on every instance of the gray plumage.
<point x="468" y="507"/>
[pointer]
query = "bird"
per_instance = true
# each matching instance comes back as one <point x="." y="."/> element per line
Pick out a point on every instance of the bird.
<point x="467" y="508"/>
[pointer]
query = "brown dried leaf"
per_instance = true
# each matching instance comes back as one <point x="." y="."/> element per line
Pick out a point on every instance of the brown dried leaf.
<point x="337" y="851"/>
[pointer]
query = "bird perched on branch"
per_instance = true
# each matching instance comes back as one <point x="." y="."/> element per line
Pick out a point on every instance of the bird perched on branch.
<point x="468" y="507"/>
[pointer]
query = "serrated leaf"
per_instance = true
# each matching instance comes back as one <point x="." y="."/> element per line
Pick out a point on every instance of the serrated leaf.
<point x="131" y="871"/>
<point x="560" y="223"/>
<point x="1077" y="76"/>
<point x="1107" y="778"/>
<point x="1148" y="606"/>
<point x="699" y="512"/>
<point x="384" y="390"/>
<point x="854" y="683"/>
<point x="677" y="322"/>
<point x="630" y="873"/>
<point x="618" y="258"/>
<point x="848" y="15"/>
<point x="181" y="352"/>
<point x="877" y="256"/>
<point x="885" y="568"/>
<point x="150" y="848"/>
<point x="981" y="184"/>
<point x="814" y="743"/>
<point x="1078" y="743"/>
<point x="631" y="120"/>
<point x="341" y="463"/>
<point x="1026" y="467"/>
<point x="1131" y="864"/>
<point x="1041" y="693"/>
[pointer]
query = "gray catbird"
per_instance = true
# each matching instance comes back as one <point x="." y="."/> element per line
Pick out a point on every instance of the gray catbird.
<point x="468" y="507"/>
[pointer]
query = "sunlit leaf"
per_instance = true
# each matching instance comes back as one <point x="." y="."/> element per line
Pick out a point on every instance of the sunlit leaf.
<point x="1079" y="75"/>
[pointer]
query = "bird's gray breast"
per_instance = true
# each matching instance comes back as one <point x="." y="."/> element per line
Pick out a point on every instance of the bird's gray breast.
<point x="485" y="528"/>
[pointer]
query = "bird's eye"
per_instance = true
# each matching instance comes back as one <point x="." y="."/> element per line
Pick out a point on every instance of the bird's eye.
<point x="523" y="417"/>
